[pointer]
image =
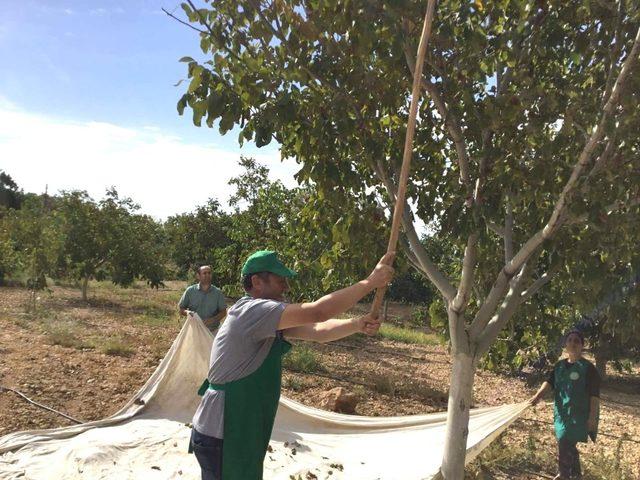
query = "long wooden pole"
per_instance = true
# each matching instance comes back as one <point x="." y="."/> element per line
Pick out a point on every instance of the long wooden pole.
<point x="408" y="146"/>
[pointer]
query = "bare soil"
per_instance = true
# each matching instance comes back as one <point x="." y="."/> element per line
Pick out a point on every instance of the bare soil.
<point x="116" y="340"/>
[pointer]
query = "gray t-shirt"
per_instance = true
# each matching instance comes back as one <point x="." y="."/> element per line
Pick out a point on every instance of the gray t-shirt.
<point x="241" y="345"/>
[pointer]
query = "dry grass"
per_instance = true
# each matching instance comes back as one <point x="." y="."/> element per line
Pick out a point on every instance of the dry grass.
<point x="118" y="337"/>
<point x="408" y="335"/>
<point x="302" y="358"/>
<point x="116" y="346"/>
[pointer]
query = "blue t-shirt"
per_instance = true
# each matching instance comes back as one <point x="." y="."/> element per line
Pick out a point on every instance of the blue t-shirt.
<point x="206" y="304"/>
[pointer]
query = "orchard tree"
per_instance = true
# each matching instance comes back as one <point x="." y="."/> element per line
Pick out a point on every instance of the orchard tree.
<point x="603" y="282"/>
<point x="107" y="239"/>
<point x="9" y="257"/>
<point x="328" y="239"/>
<point x="10" y="195"/>
<point x="194" y="237"/>
<point x="527" y="132"/>
<point x="34" y="233"/>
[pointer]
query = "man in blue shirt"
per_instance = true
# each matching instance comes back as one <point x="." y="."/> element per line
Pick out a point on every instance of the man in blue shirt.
<point x="204" y="299"/>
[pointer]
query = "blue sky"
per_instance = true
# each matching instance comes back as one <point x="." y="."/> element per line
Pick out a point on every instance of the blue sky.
<point x="87" y="100"/>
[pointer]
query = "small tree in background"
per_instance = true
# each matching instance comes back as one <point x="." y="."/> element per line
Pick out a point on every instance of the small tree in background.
<point x="10" y="195"/>
<point x="108" y="240"/>
<point x="35" y="234"/>
<point x="194" y="238"/>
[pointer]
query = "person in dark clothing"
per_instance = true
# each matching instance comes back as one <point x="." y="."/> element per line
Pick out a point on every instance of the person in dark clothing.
<point x="576" y="385"/>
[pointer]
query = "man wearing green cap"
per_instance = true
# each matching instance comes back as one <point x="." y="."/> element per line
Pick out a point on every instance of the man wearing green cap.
<point x="242" y="389"/>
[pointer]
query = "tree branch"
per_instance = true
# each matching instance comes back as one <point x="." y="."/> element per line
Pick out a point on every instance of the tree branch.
<point x="615" y="51"/>
<point x="604" y="157"/>
<point x="494" y="227"/>
<point x="483" y="167"/>
<point x="432" y="272"/>
<point x="558" y="214"/>
<point x="483" y="316"/>
<point x="511" y="302"/>
<point x="508" y="230"/>
<point x="183" y="22"/>
<point x="468" y="269"/>
<point x="538" y="284"/>
<point x="411" y="258"/>
<point x="451" y="122"/>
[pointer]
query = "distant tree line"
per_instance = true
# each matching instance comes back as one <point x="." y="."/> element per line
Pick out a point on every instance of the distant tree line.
<point x="329" y="243"/>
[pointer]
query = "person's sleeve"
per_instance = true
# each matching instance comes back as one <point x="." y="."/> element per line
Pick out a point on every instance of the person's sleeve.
<point x="262" y="323"/>
<point x="593" y="381"/>
<point x="184" y="300"/>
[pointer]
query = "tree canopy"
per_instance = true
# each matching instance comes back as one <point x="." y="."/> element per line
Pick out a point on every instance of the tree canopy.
<point x="526" y="136"/>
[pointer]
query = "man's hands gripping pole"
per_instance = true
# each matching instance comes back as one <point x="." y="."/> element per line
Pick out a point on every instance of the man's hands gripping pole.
<point x="381" y="276"/>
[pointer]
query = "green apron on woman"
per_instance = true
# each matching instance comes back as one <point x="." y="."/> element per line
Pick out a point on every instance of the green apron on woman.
<point x="571" y="401"/>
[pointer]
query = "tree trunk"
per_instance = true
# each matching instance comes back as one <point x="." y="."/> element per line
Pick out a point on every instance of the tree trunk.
<point x="602" y="354"/>
<point x="460" y="397"/>
<point x="85" y="287"/>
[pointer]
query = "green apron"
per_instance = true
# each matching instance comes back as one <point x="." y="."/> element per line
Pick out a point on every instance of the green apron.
<point x="250" y="406"/>
<point x="571" y="401"/>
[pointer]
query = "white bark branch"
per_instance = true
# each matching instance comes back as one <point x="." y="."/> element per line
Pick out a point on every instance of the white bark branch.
<point x="468" y="270"/>
<point x="615" y="51"/>
<point x="411" y="257"/>
<point x="459" y="341"/>
<point x="511" y="302"/>
<point x="483" y="316"/>
<point x="604" y="157"/>
<point x="483" y="167"/>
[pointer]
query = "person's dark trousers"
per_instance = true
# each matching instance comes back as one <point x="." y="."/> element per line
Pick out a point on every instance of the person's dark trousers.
<point x="568" y="459"/>
<point x="208" y="452"/>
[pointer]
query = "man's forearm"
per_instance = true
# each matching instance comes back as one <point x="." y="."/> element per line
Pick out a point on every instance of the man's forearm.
<point x="335" y="329"/>
<point x="340" y="301"/>
<point x="220" y="315"/>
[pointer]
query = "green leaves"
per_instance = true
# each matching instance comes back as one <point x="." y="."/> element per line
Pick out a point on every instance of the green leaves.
<point x="521" y="85"/>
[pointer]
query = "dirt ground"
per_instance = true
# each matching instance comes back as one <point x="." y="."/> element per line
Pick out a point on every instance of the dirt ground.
<point x="108" y="347"/>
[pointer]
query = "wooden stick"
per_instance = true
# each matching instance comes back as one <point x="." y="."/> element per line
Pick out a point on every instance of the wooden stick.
<point x="408" y="146"/>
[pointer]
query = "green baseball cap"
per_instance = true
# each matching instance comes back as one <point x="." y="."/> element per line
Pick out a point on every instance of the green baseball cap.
<point x="266" y="261"/>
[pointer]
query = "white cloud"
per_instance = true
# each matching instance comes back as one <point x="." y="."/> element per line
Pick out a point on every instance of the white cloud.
<point x="161" y="172"/>
<point x="106" y="11"/>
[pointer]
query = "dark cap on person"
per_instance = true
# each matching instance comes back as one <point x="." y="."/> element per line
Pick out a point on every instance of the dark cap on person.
<point x="266" y="261"/>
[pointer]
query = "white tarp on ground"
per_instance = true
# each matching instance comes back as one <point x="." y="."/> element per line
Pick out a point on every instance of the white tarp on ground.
<point x="148" y="437"/>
